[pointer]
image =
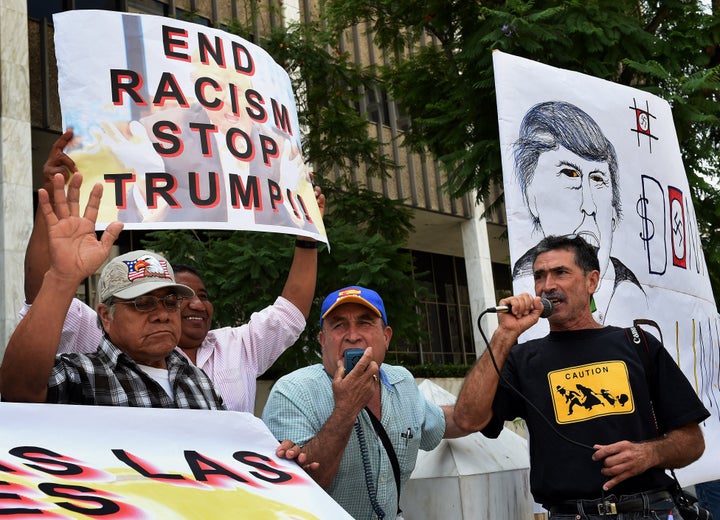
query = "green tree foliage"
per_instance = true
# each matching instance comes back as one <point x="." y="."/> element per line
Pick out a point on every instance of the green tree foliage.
<point x="445" y="84"/>
<point x="246" y="271"/>
<point x="670" y="48"/>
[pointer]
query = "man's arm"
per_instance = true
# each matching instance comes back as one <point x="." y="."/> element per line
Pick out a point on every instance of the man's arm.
<point x="291" y="451"/>
<point x="75" y="253"/>
<point x="625" y="459"/>
<point x="37" y="254"/>
<point x="351" y="394"/>
<point x="452" y="429"/>
<point x="473" y="409"/>
<point x="299" y="288"/>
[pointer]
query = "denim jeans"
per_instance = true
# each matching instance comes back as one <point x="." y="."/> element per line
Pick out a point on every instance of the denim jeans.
<point x="708" y="495"/>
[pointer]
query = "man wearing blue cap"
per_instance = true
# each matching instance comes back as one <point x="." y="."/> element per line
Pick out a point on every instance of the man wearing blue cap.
<point x="332" y="415"/>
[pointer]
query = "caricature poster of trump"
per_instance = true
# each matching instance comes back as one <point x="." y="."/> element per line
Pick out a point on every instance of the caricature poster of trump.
<point x="588" y="157"/>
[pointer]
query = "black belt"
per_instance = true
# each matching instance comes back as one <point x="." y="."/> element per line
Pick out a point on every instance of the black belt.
<point x="611" y="505"/>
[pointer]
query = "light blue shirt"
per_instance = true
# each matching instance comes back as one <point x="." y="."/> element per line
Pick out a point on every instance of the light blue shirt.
<point x="301" y="402"/>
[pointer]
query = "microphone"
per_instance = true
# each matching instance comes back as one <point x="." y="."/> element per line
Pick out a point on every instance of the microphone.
<point x="546" y="312"/>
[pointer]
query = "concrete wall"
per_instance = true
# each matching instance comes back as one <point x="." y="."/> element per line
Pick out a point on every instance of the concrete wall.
<point x="15" y="161"/>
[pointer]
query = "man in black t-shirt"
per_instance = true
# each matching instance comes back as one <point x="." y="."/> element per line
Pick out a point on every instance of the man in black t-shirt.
<point x="603" y="429"/>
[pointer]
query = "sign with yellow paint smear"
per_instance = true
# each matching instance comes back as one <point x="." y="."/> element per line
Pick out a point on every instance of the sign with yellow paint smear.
<point x="72" y="462"/>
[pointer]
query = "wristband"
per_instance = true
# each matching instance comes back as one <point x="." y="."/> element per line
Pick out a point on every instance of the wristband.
<point x="305" y="244"/>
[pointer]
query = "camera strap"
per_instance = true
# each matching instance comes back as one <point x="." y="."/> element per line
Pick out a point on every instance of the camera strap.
<point x="686" y="502"/>
<point x="380" y="430"/>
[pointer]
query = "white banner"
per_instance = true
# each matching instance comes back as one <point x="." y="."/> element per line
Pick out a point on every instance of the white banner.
<point x="555" y="127"/>
<point x="186" y="126"/>
<point x="64" y="461"/>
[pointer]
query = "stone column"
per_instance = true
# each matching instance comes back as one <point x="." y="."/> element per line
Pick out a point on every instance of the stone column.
<point x="16" y="210"/>
<point x="478" y="264"/>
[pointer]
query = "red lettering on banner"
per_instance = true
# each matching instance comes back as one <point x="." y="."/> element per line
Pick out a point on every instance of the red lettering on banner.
<point x="174" y="38"/>
<point x="276" y="196"/>
<point x="19" y="501"/>
<point x="268" y="470"/>
<point x="120" y="180"/>
<point x="213" y="198"/>
<point x="269" y="149"/>
<point x="15" y="470"/>
<point x="243" y="59"/>
<point x="204" y="190"/>
<point x="281" y="116"/>
<point x="160" y="184"/>
<point x="204" y="130"/>
<point x="215" y="104"/>
<point x="210" y="94"/>
<point x="255" y="110"/>
<point x="205" y="49"/>
<point x="105" y="507"/>
<point x="52" y="463"/>
<point x="301" y="202"/>
<point x="168" y="89"/>
<point x="230" y="140"/>
<point x="144" y="468"/>
<point x="248" y="196"/>
<point x="128" y="82"/>
<point x="14" y="500"/>
<point x="166" y="132"/>
<point x="211" y="471"/>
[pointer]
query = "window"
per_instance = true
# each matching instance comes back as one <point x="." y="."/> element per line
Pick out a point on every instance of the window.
<point x="378" y="109"/>
<point x="446" y="313"/>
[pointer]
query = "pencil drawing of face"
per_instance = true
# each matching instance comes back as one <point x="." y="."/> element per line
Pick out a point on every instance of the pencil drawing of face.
<point x="567" y="171"/>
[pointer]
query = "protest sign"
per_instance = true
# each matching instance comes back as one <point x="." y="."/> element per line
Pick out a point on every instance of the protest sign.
<point x="186" y="126"/>
<point x="636" y="208"/>
<point x="68" y="461"/>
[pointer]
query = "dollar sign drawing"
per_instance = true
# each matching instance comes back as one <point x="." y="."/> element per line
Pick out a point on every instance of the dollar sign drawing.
<point x="648" y="226"/>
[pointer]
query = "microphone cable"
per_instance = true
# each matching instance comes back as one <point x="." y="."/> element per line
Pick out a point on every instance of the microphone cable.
<point x="518" y="392"/>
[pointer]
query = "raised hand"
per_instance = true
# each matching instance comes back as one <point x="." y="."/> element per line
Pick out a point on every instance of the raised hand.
<point x="58" y="162"/>
<point x="75" y="252"/>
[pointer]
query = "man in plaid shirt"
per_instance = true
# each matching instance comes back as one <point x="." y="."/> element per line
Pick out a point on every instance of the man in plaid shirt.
<point x="135" y="364"/>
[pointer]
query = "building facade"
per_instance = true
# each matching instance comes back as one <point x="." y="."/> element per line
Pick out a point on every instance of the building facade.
<point x="463" y="251"/>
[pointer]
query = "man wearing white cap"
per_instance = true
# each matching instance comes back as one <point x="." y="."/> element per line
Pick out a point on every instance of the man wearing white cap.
<point x="364" y="428"/>
<point x="135" y="364"/>
<point x="232" y="357"/>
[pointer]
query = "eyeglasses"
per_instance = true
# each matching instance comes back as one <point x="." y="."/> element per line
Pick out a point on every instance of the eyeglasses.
<point x="148" y="302"/>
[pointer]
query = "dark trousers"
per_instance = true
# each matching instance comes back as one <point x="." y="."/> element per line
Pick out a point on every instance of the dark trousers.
<point x="656" y="505"/>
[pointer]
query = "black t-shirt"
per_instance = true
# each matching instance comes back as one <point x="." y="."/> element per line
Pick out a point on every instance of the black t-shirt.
<point x="591" y="386"/>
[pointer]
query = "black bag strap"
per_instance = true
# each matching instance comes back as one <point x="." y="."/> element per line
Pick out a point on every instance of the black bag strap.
<point x="636" y="336"/>
<point x="380" y="430"/>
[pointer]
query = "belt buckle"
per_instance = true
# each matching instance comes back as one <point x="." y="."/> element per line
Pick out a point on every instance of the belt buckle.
<point x="607" y="508"/>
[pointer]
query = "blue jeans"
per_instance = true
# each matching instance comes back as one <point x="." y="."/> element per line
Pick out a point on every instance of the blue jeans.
<point x="708" y="495"/>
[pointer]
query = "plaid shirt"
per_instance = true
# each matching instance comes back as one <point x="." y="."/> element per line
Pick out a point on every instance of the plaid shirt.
<point x="232" y="357"/>
<point x="110" y="377"/>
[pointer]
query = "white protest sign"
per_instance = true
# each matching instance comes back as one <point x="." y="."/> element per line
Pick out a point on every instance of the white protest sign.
<point x="69" y="461"/>
<point x="637" y="209"/>
<point x="186" y="126"/>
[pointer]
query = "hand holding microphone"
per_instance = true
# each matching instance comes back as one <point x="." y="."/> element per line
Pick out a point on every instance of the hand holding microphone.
<point x="525" y="301"/>
<point x="546" y="311"/>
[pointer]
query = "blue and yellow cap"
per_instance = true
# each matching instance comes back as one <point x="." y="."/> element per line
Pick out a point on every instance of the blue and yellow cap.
<point x="354" y="294"/>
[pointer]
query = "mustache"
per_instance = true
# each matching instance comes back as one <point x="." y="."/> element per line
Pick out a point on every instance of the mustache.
<point x="554" y="295"/>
